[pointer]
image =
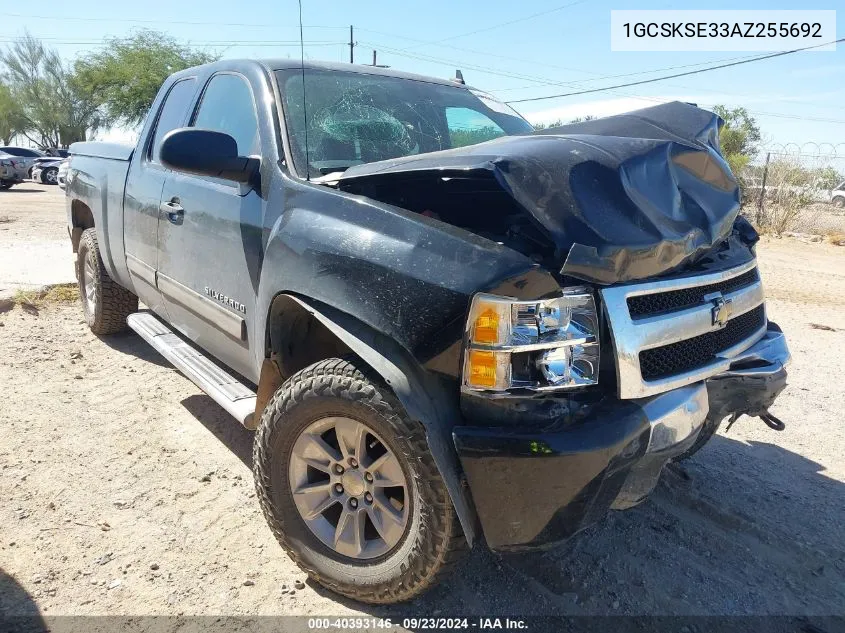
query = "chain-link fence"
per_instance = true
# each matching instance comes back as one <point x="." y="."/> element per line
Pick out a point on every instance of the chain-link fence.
<point x="793" y="189"/>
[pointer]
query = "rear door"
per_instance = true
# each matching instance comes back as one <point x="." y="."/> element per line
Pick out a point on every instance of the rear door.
<point x="210" y="243"/>
<point x="143" y="193"/>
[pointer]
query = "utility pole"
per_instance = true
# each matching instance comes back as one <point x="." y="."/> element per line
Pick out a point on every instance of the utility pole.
<point x="351" y="46"/>
<point x="374" y="59"/>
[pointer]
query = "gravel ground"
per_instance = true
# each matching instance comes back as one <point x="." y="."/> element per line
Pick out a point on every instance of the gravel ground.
<point x="127" y="491"/>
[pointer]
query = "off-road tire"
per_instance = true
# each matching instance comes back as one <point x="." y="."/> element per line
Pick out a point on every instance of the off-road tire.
<point x="707" y="432"/>
<point x="433" y="541"/>
<point x="112" y="302"/>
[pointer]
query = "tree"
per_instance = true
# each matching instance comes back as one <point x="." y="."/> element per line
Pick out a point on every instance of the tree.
<point x="739" y="137"/>
<point x="559" y="122"/>
<point x="54" y="109"/>
<point x="126" y="76"/>
<point x="11" y="116"/>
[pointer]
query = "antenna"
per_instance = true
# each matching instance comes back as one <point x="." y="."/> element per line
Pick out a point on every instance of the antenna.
<point x="304" y="111"/>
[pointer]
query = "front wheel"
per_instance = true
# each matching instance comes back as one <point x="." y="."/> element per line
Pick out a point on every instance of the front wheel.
<point x="105" y="304"/>
<point x="839" y="202"/>
<point x="349" y="486"/>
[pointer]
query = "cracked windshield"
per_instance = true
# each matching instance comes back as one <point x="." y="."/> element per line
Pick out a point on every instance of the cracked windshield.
<point x="350" y="118"/>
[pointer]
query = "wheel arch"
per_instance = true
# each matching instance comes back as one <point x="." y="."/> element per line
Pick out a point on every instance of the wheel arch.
<point x="301" y="332"/>
<point x="81" y="218"/>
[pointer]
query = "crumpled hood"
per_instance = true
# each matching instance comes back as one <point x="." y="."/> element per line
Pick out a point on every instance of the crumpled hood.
<point x="622" y="198"/>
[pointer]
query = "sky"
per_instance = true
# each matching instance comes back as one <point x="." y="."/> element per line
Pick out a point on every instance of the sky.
<point x="512" y="50"/>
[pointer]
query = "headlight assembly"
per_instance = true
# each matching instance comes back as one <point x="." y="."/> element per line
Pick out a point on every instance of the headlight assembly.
<point x="540" y="345"/>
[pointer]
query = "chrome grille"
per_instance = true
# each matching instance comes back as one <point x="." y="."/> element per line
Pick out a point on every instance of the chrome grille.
<point x="648" y="305"/>
<point x="671" y="333"/>
<point x="698" y="351"/>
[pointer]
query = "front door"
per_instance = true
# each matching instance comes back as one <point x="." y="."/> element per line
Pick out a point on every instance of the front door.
<point x="209" y="236"/>
<point x="143" y="194"/>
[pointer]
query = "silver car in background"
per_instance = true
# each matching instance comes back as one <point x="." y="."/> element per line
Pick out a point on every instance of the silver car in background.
<point x="12" y="170"/>
<point x="62" y="175"/>
<point x="25" y="155"/>
<point x="46" y="171"/>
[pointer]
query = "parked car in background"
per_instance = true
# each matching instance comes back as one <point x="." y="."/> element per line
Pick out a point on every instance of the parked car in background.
<point x="27" y="155"/>
<point x="62" y="175"/>
<point x="46" y="171"/>
<point x="837" y="196"/>
<point x="12" y="170"/>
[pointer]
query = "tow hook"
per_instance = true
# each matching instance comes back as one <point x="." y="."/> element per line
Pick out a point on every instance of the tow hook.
<point x="768" y="419"/>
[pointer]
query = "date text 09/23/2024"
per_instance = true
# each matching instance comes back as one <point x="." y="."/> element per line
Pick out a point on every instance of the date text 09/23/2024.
<point x="420" y="623"/>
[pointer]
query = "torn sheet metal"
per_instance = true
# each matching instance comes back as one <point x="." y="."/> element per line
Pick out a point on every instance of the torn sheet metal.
<point x="622" y="198"/>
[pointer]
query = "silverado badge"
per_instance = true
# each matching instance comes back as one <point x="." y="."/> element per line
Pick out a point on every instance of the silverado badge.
<point x="219" y="296"/>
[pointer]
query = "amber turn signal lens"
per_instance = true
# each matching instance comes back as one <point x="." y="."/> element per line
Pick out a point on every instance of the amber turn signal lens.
<point x="482" y="369"/>
<point x="486" y="329"/>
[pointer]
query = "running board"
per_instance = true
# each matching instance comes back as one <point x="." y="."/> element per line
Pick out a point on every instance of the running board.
<point x="226" y="390"/>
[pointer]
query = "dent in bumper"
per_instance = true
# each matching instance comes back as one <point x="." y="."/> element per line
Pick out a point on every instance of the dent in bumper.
<point x="533" y="487"/>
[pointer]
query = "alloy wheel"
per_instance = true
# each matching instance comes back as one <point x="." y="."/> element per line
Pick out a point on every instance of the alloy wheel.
<point x="349" y="488"/>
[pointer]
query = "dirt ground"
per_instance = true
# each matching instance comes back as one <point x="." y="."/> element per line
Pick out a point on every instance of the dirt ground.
<point x="33" y="233"/>
<point x="125" y="490"/>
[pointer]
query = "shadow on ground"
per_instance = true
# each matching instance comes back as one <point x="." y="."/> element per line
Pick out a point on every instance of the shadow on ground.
<point x="18" y="610"/>
<point x="752" y="529"/>
<point x="131" y="344"/>
<point x="223" y="426"/>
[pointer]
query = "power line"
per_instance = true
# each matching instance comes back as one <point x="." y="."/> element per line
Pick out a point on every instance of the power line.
<point x="453" y="63"/>
<point x="684" y="74"/>
<point x="144" y="21"/>
<point x="60" y="41"/>
<point x="501" y="24"/>
<point x="640" y="72"/>
<point x="596" y="76"/>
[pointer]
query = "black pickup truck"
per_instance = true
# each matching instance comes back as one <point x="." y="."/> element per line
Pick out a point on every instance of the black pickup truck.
<point x="445" y="328"/>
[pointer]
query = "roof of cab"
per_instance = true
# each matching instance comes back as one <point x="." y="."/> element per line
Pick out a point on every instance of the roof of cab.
<point x="288" y="64"/>
<point x="294" y="64"/>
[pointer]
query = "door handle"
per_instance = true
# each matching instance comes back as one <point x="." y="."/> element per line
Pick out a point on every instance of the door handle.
<point x="175" y="212"/>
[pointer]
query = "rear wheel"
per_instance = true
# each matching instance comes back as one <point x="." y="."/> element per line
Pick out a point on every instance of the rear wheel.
<point x="349" y="487"/>
<point x="105" y="304"/>
<point x="50" y="176"/>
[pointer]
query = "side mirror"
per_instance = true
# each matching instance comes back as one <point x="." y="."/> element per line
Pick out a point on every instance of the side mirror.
<point x="206" y="153"/>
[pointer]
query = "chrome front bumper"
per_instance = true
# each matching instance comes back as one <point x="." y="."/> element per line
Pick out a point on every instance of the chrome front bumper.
<point x="751" y="382"/>
<point x="532" y="485"/>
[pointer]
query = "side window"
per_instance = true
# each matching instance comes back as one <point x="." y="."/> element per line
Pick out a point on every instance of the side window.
<point x="172" y="113"/>
<point x="468" y="127"/>
<point x="227" y="106"/>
